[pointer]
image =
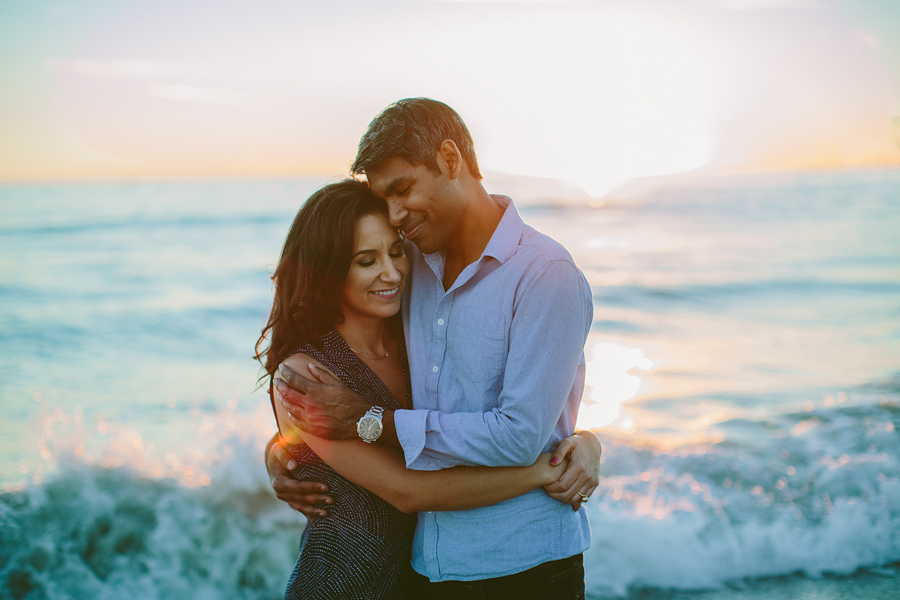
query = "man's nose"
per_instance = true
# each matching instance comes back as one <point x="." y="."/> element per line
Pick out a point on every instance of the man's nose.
<point x="396" y="213"/>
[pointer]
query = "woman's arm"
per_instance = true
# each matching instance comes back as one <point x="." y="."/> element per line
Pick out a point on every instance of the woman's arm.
<point x="382" y="470"/>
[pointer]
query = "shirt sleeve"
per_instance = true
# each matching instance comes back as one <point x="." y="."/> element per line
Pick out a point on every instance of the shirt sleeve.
<point x="548" y="329"/>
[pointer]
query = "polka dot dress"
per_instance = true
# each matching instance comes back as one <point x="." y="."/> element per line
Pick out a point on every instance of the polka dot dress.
<point x="360" y="550"/>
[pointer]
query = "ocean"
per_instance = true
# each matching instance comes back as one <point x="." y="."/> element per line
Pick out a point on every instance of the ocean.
<point x="743" y="373"/>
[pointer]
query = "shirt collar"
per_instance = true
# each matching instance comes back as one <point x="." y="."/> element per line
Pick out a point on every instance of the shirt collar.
<point x="506" y="236"/>
<point x="501" y="246"/>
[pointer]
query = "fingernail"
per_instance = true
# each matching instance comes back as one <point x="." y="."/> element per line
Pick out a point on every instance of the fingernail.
<point x="313" y="367"/>
<point x="554" y="461"/>
<point x="291" y="465"/>
<point x="329" y="501"/>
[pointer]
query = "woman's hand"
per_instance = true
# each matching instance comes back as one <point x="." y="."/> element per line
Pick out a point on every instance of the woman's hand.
<point x="582" y="475"/>
<point x="300" y="495"/>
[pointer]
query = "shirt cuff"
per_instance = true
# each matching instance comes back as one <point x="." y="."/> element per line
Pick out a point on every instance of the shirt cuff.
<point x="410" y="426"/>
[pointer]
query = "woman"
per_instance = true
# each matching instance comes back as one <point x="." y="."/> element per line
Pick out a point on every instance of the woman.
<point x="338" y="288"/>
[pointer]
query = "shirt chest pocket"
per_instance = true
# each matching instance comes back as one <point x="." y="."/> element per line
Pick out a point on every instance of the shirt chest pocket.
<point x="477" y="345"/>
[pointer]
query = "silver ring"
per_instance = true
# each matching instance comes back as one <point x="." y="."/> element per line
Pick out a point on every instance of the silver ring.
<point x="584" y="498"/>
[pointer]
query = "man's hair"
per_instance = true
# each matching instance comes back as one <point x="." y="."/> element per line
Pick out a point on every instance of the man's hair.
<point x="414" y="129"/>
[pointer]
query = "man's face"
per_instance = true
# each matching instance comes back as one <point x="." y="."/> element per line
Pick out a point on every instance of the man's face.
<point x="423" y="205"/>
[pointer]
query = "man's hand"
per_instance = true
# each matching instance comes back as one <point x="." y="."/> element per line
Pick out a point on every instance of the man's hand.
<point x="326" y="408"/>
<point x="300" y="495"/>
<point x="582" y="476"/>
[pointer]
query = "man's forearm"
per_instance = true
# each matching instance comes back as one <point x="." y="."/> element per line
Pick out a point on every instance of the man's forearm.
<point x="389" y="431"/>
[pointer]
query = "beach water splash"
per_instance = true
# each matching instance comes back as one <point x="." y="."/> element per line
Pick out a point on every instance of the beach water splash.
<point x="810" y="493"/>
<point x="742" y="369"/>
<point x="126" y="523"/>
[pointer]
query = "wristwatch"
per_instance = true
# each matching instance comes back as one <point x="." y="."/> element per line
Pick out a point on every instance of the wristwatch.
<point x="369" y="427"/>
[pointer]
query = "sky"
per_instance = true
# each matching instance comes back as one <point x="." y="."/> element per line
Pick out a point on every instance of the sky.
<point x="592" y="92"/>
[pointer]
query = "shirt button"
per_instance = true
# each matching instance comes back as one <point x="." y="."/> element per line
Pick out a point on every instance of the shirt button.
<point x="440" y="321"/>
<point x="434" y="369"/>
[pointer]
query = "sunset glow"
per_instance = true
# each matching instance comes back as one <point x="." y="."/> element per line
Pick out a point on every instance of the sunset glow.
<point x="594" y="93"/>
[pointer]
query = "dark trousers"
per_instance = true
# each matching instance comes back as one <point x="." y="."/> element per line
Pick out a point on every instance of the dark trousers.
<point x="556" y="580"/>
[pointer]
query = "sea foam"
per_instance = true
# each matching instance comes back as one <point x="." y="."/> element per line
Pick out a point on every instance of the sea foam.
<point x="817" y="492"/>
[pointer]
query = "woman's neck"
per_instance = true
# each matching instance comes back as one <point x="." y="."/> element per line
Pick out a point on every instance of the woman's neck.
<point x="365" y="336"/>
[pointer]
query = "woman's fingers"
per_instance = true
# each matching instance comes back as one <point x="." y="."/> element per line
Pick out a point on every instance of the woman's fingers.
<point x="562" y="451"/>
<point x="581" y="476"/>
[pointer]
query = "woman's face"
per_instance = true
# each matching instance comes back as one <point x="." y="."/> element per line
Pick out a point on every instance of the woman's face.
<point x="378" y="268"/>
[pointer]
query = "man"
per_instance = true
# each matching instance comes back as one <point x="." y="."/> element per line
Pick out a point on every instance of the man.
<point x="496" y="316"/>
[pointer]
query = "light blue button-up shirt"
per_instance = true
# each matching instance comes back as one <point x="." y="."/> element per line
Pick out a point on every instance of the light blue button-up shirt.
<point x="497" y="367"/>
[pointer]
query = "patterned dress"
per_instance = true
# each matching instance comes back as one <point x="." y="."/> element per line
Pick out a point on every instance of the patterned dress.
<point x="361" y="549"/>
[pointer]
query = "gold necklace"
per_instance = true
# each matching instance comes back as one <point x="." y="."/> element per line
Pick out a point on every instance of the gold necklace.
<point x="370" y="357"/>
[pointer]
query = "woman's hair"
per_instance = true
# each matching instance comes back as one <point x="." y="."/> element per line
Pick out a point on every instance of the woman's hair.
<point x="313" y="265"/>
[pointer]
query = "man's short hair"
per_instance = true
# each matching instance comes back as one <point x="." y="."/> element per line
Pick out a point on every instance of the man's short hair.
<point x="414" y="129"/>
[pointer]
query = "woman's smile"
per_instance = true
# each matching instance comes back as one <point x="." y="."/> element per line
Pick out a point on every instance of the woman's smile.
<point x="388" y="294"/>
<point x="374" y="283"/>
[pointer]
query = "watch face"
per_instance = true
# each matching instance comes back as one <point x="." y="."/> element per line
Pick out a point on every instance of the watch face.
<point x="369" y="428"/>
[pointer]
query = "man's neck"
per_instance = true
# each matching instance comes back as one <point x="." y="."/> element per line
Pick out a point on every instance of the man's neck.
<point x="479" y="222"/>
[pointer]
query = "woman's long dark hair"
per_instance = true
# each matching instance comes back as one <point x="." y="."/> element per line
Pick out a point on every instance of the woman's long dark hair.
<point x="314" y="263"/>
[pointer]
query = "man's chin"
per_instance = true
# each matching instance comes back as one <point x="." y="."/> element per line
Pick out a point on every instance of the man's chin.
<point x="425" y="245"/>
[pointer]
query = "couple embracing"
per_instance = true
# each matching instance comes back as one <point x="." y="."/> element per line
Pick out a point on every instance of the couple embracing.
<point x="425" y="354"/>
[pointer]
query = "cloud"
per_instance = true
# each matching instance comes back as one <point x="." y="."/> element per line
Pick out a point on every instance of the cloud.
<point x="202" y="95"/>
<point x="500" y="1"/>
<point x="761" y="4"/>
<point x="127" y="68"/>
<point x="108" y="68"/>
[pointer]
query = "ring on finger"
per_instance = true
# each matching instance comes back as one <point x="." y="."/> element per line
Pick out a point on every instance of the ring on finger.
<point x="584" y="498"/>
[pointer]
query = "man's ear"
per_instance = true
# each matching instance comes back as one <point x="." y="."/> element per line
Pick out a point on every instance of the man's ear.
<point x="449" y="159"/>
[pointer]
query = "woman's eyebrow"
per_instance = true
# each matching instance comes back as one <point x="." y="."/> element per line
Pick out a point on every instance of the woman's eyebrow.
<point x="365" y="251"/>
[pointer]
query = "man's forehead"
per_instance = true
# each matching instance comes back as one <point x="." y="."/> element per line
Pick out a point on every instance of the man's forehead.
<point x="391" y="173"/>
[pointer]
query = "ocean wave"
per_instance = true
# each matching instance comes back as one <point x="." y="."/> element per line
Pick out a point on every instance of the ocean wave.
<point x="715" y="294"/>
<point x="813" y="493"/>
<point x="144" y="224"/>
<point x="92" y="531"/>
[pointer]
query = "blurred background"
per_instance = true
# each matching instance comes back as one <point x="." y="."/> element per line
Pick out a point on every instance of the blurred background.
<point x="726" y="173"/>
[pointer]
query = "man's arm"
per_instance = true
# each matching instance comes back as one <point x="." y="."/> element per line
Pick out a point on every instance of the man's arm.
<point x="551" y="320"/>
<point x="382" y="470"/>
<point x="546" y="341"/>
<point x="325" y="407"/>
